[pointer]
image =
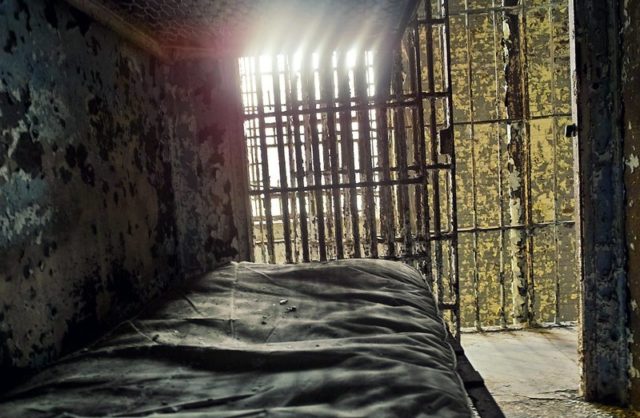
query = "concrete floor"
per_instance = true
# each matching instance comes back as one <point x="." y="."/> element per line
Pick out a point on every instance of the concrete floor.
<point x="533" y="373"/>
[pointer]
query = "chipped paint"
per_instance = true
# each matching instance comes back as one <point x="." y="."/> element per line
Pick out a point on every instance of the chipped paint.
<point x="601" y="154"/>
<point x="114" y="169"/>
<point x="632" y="162"/>
<point x="631" y="121"/>
<point x="539" y="180"/>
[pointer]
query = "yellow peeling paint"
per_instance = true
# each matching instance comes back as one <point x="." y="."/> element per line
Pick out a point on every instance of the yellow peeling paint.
<point x="482" y="161"/>
<point x="632" y="162"/>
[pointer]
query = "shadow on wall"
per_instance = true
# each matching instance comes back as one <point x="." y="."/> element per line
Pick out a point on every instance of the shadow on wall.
<point x="106" y="168"/>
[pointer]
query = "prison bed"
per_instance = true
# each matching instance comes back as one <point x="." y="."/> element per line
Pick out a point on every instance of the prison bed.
<point x="353" y="338"/>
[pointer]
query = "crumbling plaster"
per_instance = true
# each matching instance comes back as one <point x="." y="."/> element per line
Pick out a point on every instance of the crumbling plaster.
<point x="606" y="269"/>
<point x="118" y="175"/>
<point x="631" y="126"/>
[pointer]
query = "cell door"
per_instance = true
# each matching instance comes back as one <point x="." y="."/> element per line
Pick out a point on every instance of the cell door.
<point x="351" y="153"/>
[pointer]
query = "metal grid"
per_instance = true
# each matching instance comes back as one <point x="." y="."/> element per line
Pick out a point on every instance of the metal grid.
<point x="512" y="99"/>
<point x="351" y="154"/>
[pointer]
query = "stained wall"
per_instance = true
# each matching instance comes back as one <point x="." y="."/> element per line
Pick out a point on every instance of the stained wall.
<point x="631" y="126"/>
<point x="114" y="178"/>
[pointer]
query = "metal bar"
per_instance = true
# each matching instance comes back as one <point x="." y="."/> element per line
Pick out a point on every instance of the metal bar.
<point x="250" y="78"/>
<point x="556" y="214"/>
<point x="387" y="218"/>
<point x="455" y="268"/>
<point x="364" y="103"/>
<point x="364" y="141"/>
<point x="423" y="195"/>
<point x="474" y="187"/>
<point x="517" y="165"/>
<point x="413" y="39"/>
<point x="528" y="212"/>
<point x="509" y="120"/>
<point x="284" y="197"/>
<point x="501" y="273"/>
<point x="348" y="159"/>
<point x="331" y="139"/>
<point x="265" y="168"/>
<point x="437" y="222"/>
<point x="400" y="136"/>
<point x="309" y="86"/>
<point x="325" y="187"/>
<point x="294" y="104"/>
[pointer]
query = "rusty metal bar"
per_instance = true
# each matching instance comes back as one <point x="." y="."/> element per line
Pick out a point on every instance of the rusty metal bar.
<point x="364" y="142"/>
<point x="309" y="87"/>
<point x="474" y="188"/>
<point x="327" y="94"/>
<point x="518" y="166"/>
<point x="365" y="104"/>
<point x="284" y="197"/>
<point x="556" y="213"/>
<point x="433" y="132"/>
<point x="265" y="169"/>
<point x="348" y="159"/>
<point x="294" y="104"/>
<point x="387" y="218"/>
<point x="400" y="139"/>
<point x="501" y="273"/>
<point x="453" y="199"/>
<point x="421" y="140"/>
<point x="325" y="187"/>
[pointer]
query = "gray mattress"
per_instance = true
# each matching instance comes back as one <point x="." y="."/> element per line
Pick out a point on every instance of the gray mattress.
<point x="357" y="338"/>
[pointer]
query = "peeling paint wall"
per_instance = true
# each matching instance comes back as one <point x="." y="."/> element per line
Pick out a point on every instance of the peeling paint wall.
<point x="631" y="126"/>
<point x="598" y="112"/>
<point x="116" y="171"/>
<point x="210" y="169"/>
<point x="511" y="86"/>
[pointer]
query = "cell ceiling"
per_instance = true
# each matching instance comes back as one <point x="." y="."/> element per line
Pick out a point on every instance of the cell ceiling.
<point x="224" y="27"/>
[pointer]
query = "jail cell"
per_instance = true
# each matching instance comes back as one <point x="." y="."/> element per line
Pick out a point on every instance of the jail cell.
<point x="351" y="154"/>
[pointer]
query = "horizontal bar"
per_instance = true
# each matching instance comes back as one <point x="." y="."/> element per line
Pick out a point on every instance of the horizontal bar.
<point x="509" y="120"/>
<point x="499" y="9"/>
<point x="517" y="226"/>
<point x="432" y="22"/>
<point x="415" y="180"/>
<point x="381" y="240"/>
<point x="407" y="101"/>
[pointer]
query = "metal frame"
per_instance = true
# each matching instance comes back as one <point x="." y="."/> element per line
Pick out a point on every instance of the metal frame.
<point x="362" y="154"/>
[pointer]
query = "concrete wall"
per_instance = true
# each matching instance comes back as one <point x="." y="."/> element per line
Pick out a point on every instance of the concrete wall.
<point x="115" y="178"/>
<point x="606" y="109"/>
<point x="631" y="125"/>
<point x="210" y="169"/>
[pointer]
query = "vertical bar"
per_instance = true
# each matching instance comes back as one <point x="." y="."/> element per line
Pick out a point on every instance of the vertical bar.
<point x="474" y="185"/>
<point x="501" y="278"/>
<point x="292" y="160"/>
<point x="330" y="138"/>
<point x="284" y="194"/>
<point x="300" y="172"/>
<point x="455" y="275"/>
<point x="554" y="111"/>
<point x="518" y="166"/>
<point x="364" y="140"/>
<point x="266" y="183"/>
<point x="433" y="132"/>
<point x="309" y="86"/>
<point x="421" y="159"/>
<point x="400" y="135"/>
<point x="254" y="166"/>
<point x="348" y="160"/>
<point x="387" y="218"/>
